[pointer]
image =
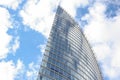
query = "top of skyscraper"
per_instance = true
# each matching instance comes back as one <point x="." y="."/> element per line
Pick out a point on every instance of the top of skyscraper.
<point x="68" y="55"/>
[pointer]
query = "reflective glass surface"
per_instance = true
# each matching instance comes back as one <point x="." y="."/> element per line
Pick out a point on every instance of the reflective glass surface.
<point x="68" y="55"/>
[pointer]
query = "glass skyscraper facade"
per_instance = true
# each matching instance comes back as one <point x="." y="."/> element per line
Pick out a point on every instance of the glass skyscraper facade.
<point x="68" y="56"/>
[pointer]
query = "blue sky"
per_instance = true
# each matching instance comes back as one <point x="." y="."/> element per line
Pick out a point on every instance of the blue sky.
<point x="25" y="27"/>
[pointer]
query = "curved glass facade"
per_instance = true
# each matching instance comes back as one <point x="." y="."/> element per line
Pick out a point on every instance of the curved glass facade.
<point x="68" y="55"/>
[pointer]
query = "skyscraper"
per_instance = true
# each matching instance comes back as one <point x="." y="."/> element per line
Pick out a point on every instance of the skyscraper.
<point x="68" y="56"/>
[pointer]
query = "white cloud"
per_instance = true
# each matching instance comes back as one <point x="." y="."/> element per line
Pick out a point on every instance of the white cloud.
<point x="32" y="72"/>
<point x="42" y="48"/>
<point x="10" y="3"/>
<point x="39" y="15"/>
<point x="103" y="34"/>
<point x="4" y="37"/>
<point x="102" y="51"/>
<point x="71" y="5"/>
<point x="33" y="69"/>
<point x="9" y="70"/>
<point x="15" y="45"/>
<point x="116" y="2"/>
<point x="96" y="29"/>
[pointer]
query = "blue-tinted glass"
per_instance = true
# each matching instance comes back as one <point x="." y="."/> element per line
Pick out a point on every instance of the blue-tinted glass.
<point x="68" y="55"/>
